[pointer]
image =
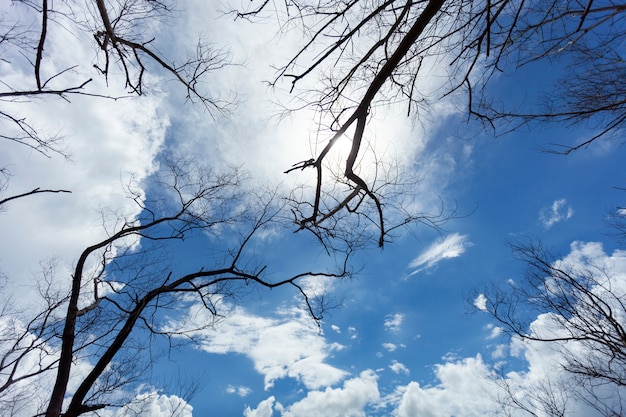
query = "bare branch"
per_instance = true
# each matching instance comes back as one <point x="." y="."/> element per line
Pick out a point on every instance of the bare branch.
<point x="32" y="192"/>
<point x="42" y="41"/>
<point x="587" y="313"/>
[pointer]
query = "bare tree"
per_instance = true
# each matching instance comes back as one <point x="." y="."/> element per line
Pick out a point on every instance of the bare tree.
<point x="617" y="221"/>
<point x="584" y="306"/>
<point x="544" y="398"/>
<point x="123" y="285"/>
<point x="358" y="55"/>
<point x="585" y="39"/>
<point x="125" y="42"/>
<point x="121" y="31"/>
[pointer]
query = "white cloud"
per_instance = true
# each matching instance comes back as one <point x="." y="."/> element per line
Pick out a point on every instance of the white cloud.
<point x="480" y="302"/>
<point x="585" y="255"/>
<point x="240" y="390"/>
<point x="462" y="392"/>
<point x="353" y="333"/>
<point x="393" y="323"/>
<point x="499" y="352"/>
<point x="30" y="396"/>
<point x="469" y="387"/>
<point x="107" y="140"/>
<point x="495" y="331"/>
<point x="399" y="368"/>
<point x="559" y="211"/>
<point x="317" y="286"/>
<point x="264" y="409"/>
<point x="254" y="122"/>
<point x="452" y="246"/>
<point x="289" y="345"/>
<point x="546" y="362"/>
<point x="390" y="346"/>
<point x="26" y="397"/>
<point x="154" y="404"/>
<point x="348" y="401"/>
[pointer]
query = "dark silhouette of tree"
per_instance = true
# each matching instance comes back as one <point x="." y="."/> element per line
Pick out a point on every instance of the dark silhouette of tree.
<point x="123" y="285"/>
<point x="120" y="286"/>
<point x="584" y="316"/>
<point x="124" y="44"/>
<point x="358" y="55"/>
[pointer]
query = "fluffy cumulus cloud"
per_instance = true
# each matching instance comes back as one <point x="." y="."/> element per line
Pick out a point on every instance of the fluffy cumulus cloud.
<point x="480" y="302"/>
<point x="470" y="386"/>
<point x="347" y="401"/>
<point x="591" y="255"/>
<point x="558" y="212"/>
<point x="462" y="391"/>
<point x="353" y="332"/>
<point x="277" y="146"/>
<point x="399" y="368"/>
<point x="545" y="378"/>
<point x="154" y="404"/>
<point x="288" y="345"/>
<point x="350" y="400"/>
<point x="452" y="246"/>
<point x="264" y="409"/>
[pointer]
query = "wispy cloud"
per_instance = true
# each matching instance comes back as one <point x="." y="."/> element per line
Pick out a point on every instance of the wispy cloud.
<point x="494" y="331"/>
<point x="559" y="211"/>
<point x="394" y="322"/>
<point x="452" y="246"/>
<point x="390" y="346"/>
<point x="241" y="390"/>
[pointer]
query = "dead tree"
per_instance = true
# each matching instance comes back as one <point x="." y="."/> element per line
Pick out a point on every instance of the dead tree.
<point x="584" y="307"/>
<point x="121" y="286"/>
<point x="124" y="44"/>
<point x="358" y="55"/>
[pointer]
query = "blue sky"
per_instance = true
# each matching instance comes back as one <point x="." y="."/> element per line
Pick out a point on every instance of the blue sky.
<point x="404" y="339"/>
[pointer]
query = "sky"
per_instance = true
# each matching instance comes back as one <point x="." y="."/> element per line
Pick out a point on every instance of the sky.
<point x="407" y="336"/>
